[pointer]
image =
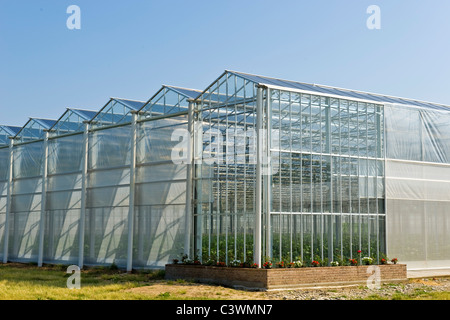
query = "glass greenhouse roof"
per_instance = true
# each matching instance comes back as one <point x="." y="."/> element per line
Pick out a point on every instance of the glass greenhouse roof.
<point x="34" y="129"/>
<point x="6" y="132"/>
<point x="116" y="111"/>
<point x="321" y="89"/>
<point x="72" y="121"/>
<point x="169" y="100"/>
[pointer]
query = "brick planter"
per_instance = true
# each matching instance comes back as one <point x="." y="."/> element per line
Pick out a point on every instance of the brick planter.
<point x="281" y="278"/>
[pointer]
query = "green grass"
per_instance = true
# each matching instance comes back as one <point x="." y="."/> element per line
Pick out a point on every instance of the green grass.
<point x="27" y="282"/>
<point x="418" y="294"/>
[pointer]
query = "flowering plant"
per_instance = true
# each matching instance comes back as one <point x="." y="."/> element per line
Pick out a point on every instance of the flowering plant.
<point x="175" y="261"/>
<point x="297" y="264"/>
<point x="235" y="263"/>
<point x="315" y="263"/>
<point x="367" y="260"/>
<point x="383" y="261"/>
<point x="353" y="262"/>
<point x="267" y="265"/>
<point x="210" y="262"/>
<point x="280" y="264"/>
<point x="334" y="263"/>
<point x="221" y="264"/>
<point x="247" y="264"/>
<point x="359" y="253"/>
<point x="394" y="261"/>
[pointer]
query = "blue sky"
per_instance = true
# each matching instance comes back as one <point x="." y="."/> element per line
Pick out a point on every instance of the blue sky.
<point x="128" y="49"/>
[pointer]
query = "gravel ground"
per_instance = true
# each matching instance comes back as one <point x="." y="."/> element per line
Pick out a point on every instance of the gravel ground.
<point x="386" y="291"/>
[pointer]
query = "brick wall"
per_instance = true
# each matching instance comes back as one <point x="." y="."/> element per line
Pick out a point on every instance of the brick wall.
<point x="266" y="279"/>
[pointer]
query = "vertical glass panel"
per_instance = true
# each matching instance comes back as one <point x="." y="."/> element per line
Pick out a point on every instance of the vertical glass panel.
<point x="307" y="237"/>
<point x="297" y="233"/>
<point x="307" y="193"/>
<point x="326" y="184"/>
<point x="4" y="163"/>
<point x="356" y="229"/>
<point x="346" y="248"/>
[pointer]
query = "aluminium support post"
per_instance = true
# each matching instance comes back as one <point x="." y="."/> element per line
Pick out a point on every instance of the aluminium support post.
<point x="84" y="168"/>
<point x="189" y="180"/>
<point x="197" y="190"/>
<point x="268" y="175"/>
<point x="132" y="192"/>
<point x="43" y="201"/>
<point x="258" y="191"/>
<point x="8" y="201"/>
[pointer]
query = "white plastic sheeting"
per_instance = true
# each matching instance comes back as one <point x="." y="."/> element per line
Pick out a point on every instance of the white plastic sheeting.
<point x="4" y="161"/>
<point x="160" y="194"/>
<point x="160" y="203"/>
<point x="418" y="186"/>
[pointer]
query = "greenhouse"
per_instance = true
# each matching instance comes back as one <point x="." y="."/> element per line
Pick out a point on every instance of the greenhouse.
<point x="251" y="168"/>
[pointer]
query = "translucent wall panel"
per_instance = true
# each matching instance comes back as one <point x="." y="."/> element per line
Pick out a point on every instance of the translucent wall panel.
<point x="417" y="190"/>
<point x="160" y="196"/>
<point x="108" y="196"/>
<point x="106" y="236"/>
<point x="26" y="202"/>
<point x="418" y="215"/>
<point x="4" y="161"/>
<point x="63" y="205"/>
<point x="160" y="211"/>
<point x="417" y="134"/>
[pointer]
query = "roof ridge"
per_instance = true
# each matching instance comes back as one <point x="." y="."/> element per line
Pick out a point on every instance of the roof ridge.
<point x="379" y="95"/>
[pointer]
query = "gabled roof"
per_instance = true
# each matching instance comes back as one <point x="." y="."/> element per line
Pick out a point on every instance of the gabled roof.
<point x="169" y="100"/>
<point x="12" y="130"/>
<point x="6" y="132"/>
<point x="34" y="129"/>
<point x="72" y="121"/>
<point x="132" y="104"/>
<point x="116" y="111"/>
<point x="189" y="93"/>
<point x="345" y="93"/>
<point x="86" y="114"/>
